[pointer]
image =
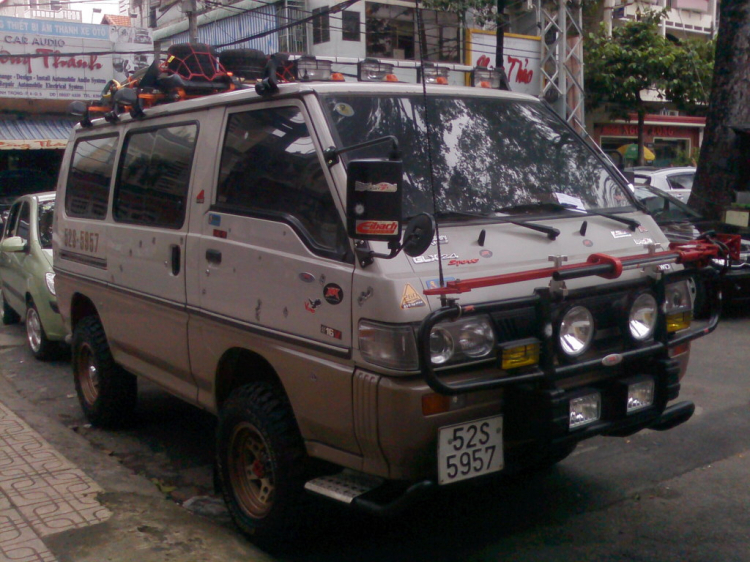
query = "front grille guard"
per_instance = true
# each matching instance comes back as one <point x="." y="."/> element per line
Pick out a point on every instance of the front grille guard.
<point x="544" y="301"/>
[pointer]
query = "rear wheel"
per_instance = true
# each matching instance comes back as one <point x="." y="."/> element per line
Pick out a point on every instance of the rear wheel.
<point x="260" y="460"/>
<point x="10" y="316"/>
<point x="107" y="393"/>
<point x="40" y="345"/>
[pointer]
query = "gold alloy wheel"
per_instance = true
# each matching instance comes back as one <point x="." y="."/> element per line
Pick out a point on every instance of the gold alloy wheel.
<point x="87" y="374"/>
<point x="250" y="470"/>
<point x="33" y="329"/>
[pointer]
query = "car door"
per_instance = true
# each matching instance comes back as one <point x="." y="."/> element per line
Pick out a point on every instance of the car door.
<point x="12" y="273"/>
<point x="680" y="185"/>
<point x="273" y="248"/>
<point x="146" y="239"/>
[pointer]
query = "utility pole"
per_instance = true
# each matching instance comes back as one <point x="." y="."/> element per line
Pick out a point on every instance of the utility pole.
<point x="190" y="9"/>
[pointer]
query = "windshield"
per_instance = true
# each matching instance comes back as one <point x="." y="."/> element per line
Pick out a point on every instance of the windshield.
<point x="488" y="154"/>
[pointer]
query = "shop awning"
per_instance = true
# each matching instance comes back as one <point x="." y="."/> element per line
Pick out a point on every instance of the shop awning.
<point x="35" y="133"/>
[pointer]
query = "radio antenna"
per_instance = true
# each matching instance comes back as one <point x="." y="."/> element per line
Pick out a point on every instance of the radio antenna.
<point x="428" y="133"/>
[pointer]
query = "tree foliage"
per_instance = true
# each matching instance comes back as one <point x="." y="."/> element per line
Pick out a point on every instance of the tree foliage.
<point x="637" y="58"/>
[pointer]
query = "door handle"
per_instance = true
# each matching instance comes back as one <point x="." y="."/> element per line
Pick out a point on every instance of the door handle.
<point x="213" y="256"/>
<point x="175" y="259"/>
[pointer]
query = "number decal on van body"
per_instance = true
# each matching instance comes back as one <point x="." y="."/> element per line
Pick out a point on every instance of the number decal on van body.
<point x="81" y="240"/>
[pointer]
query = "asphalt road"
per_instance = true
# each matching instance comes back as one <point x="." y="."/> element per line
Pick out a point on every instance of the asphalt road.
<point x="679" y="495"/>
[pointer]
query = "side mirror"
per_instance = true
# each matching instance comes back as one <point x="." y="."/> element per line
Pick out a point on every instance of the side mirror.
<point x="14" y="244"/>
<point x="373" y="200"/>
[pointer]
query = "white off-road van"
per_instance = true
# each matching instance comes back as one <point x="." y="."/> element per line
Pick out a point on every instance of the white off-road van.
<point x="378" y="287"/>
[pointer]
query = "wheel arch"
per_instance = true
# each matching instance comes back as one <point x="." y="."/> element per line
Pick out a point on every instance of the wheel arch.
<point x="239" y="367"/>
<point x="80" y="307"/>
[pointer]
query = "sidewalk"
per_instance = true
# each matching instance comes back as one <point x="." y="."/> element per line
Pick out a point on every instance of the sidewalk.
<point x="63" y="501"/>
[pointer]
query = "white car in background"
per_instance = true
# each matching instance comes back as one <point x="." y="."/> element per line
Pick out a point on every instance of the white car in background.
<point x="676" y="181"/>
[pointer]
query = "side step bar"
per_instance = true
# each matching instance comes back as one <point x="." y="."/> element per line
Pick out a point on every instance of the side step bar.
<point x="354" y="488"/>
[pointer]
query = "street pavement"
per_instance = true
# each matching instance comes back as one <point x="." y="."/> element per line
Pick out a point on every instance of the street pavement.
<point x="679" y="496"/>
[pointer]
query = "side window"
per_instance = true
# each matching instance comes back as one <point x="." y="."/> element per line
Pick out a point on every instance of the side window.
<point x="10" y="223"/>
<point x="155" y="175"/>
<point x="24" y="222"/>
<point x="269" y="167"/>
<point x="87" y="191"/>
<point x="681" y="181"/>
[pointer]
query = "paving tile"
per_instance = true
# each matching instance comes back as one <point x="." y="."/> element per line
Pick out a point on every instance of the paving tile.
<point x="32" y="550"/>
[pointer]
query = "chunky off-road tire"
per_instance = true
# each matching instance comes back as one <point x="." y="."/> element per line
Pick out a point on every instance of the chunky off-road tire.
<point x="36" y="337"/>
<point x="10" y="316"/>
<point x="107" y="393"/>
<point x="260" y="459"/>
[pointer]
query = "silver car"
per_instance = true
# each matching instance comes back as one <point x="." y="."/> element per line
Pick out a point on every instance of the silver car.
<point x="676" y="181"/>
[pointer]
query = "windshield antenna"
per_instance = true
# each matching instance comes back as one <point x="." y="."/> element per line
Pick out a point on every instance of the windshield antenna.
<point x="428" y="133"/>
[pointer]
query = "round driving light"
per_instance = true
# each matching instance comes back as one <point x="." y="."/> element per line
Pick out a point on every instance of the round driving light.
<point x="576" y="331"/>
<point x="476" y="338"/>
<point x="642" y="319"/>
<point x="441" y="346"/>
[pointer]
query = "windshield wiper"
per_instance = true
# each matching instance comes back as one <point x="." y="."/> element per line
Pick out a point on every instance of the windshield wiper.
<point x="550" y="231"/>
<point x="632" y="223"/>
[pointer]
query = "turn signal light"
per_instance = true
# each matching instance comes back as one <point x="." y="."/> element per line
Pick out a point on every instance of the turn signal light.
<point x="440" y="403"/>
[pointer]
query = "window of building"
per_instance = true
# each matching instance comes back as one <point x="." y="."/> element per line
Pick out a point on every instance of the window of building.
<point x="270" y="169"/>
<point x="155" y="175"/>
<point x="350" y="26"/>
<point x="56" y="5"/>
<point x="321" y="25"/>
<point x="391" y="32"/>
<point x="291" y="39"/>
<point x="87" y="191"/>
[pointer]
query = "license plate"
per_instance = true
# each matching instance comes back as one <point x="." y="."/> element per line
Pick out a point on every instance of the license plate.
<point x="467" y="450"/>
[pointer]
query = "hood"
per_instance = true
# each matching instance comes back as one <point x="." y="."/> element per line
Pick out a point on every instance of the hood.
<point x="472" y="250"/>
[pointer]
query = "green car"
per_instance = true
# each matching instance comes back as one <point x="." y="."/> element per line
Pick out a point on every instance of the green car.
<point x="27" y="282"/>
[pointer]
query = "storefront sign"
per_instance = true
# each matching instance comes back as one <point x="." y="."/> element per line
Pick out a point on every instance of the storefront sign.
<point x="59" y="60"/>
<point x="621" y="130"/>
<point x="32" y="144"/>
<point x="521" y="54"/>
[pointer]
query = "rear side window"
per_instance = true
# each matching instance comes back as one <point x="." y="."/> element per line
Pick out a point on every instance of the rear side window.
<point x="269" y="168"/>
<point x="87" y="191"/>
<point x="681" y="181"/>
<point x="155" y="175"/>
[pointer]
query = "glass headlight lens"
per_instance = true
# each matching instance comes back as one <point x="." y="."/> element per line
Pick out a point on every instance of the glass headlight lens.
<point x="643" y="315"/>
<point x="391" y="346"/>
<point x="679" y="306"/>
<point x="49" y="278"/>
<point x="476" y="338"/>
<point x="466" y="339"/>
<point x="576" y="331"/>
<point x="678" y="297"/>
<point x="441" y="346"/>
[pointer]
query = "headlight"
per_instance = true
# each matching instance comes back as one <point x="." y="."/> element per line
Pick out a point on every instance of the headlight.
<point x="49" y="277"/>
<point x="678" y="306"/>
<point x="441" y="346"/>
<point x="576" y="331"/>
<point x="643" y="315"/>
<point x="464" y="340"/>
<point x="387" y="345"/>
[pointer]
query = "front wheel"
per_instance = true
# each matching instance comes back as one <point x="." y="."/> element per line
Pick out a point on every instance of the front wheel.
<point x="107" y="393"/>
<point x="40" y="345"/>
<point x="260" y="461"/>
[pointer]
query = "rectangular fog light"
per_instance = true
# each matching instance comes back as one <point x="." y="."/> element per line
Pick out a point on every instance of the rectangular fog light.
<point x="520" y="353"/>
<point x="640" y="395"/>
<point x="585" y="410"/>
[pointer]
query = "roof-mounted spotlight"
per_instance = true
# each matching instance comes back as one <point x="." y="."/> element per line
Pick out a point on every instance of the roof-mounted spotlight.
<point x="372" y="70"/>
<point x="308" y="68"/>
<point x="432" y="74"/>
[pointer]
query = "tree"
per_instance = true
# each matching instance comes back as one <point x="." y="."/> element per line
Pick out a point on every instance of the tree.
<point x="637" y="58"/>
<point x="724" y="165"/>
